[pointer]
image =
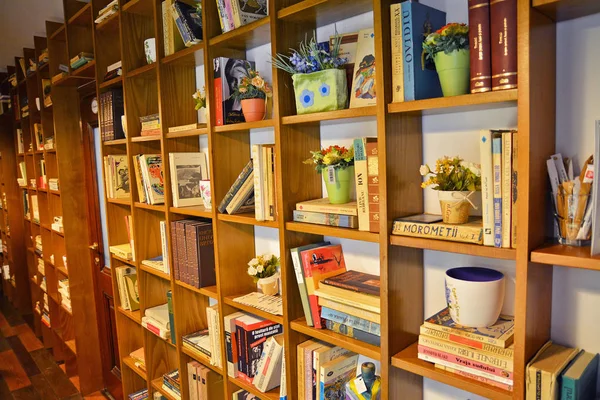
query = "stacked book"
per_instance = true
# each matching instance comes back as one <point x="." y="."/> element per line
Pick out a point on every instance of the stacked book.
<point x="123" y="251"/>
<point x="105" y="13"/>
<point x="38" y="245"/>
<point x="148" y="169"/>
<point x="47" y="89"/>
<point x="150" y="125"/>
<point x="111" y="110"/>
<point x="431" y="226"/>
<point x="139" y="359"/>
<point x="160" y="263"/>
<point x="245" y="338"/>
<point x="204" y="384"/>
<point x="53" y="184"/>
<point x="321" y="212"/>
<point x="188" y="21"/>
<point x="113" y="71"/>
<point x="172" y="384"/>
<point x="140" y="394"/>
<point x="46" y="318"/>
<point x="346" y="302"/>
<point x="156" y="320"/>
<point x="65" y="294"/>
<point x="43" y="58"/>
<point x="39" y="136"/>
<point x="240" y="197"/>
<point x="128" y="288"/>
<point x="41" y="266"/>
<point x="263" y="162"/>
<point x="485" y="355"/>
<point x="316" y="360"/>
<point x="199" y="343"/>
<point x="81" y="59"/>
<point x="116" y="177"/>
<point x="193" y="252"/>
<point x="236" y="13"/>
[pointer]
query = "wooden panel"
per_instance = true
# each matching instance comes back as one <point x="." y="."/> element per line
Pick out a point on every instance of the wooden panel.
<point x="561" y="10"/>
<point x="567" y="256"/>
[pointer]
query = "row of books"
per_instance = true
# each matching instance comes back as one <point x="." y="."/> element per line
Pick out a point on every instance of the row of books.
<point x="206" y="343"/>
<point x="106" y="12"/>
<point x="236" y="13"/>
<point x="111" y="108"/>
<point x="149" y="177"/>
<point x="113" y="71"/>
<point x="204" y="384"/>
<point x="65" y="294"/>
<point x="193" y="252"/>
<point x="150" y="125"/>
<point x="482" y="354"/>
<point x="240" y="196"/>
<point x="116" y="177"/>
<point x="346" y="302"/>
<point x="172" y="384"/>
<point x="159" y="320"/>
<point x="80" y="60"/>
<point x="127" y="285"/>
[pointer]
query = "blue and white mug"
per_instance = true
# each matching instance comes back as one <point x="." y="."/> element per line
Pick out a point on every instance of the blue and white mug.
<point x="474" y="295"/>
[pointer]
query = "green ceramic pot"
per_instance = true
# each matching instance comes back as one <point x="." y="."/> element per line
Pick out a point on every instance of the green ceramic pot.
<point x="339" y="192"/>
<point x="320" y="91"/>
<point x="453" y="70"/>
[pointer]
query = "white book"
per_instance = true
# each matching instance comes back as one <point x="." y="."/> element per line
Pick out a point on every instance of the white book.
<point x="212" y="317"/>
<point x="164" y="247"/>
<point x="192" y="378"/>
<point x="283" y="385"/>
<point x="120" y="272"/>
<point x="160" y="314"/>
<point x="114" y="66"/>
<point x="487" y="186"/>
<point x="477" y="372"/>
<point x="553" y="175"/>
<point x="187" y="170"/>
<point x="506" y="188"/>
<point x="268" y="374"/>
<point x="259" y="179"/>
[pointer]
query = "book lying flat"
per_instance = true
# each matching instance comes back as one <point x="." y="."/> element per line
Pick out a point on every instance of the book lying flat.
<point x="471" y="232"/>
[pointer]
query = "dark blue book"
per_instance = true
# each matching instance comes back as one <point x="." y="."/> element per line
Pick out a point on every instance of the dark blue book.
<point x="418" y="21"/>
<point x="192" y="21"/>
<point x="578" y="380"/>
<point x="349" y="331"/>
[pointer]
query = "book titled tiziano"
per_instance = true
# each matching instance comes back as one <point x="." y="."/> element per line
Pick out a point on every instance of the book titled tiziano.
<point x="419" y="226"/>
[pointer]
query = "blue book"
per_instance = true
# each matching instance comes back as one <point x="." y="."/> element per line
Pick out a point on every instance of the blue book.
<point x="181" y="28"/>
<point x="349" y="331"/>
<point x="497" y="182"/>
<point x="418" y="21"/>
<point x="578" y="380"/>
<point x="191" y="21"/>
<point x="171" y="316"/>
<point x="350" y="320"/>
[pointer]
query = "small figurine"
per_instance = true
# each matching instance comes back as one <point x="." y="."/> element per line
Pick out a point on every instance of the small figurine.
<point x="367" y="386"/>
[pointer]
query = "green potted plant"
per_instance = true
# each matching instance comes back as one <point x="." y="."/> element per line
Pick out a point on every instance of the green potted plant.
<point x="318" y="74"/>
<point x="448" y="47"/>
<point x="199" y="97"/>
<point x="336" y="164"/>
<point x="252" y="92"/>
<point x="457" y="182"/>
<point x="264" y="270"/>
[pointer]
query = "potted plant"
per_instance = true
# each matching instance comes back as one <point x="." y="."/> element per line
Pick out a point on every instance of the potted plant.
<point x="456" y="182"/>
<point x="448" y="47"/>
<point x="200" y="101"/>
<point x="264" y="270"/>
<point x="318" y="74"/>
<point x="252" y="92"/>
<point x="338" y="164"/>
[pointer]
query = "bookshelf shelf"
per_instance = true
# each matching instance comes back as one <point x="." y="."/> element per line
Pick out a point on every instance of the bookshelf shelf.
<point x="562" y="10"/>
<point x="152" y="207"/>
<point x="83" y="17"/>
<point x="59" y="34"/>
<point x="130" y="363"/>
<point x="252" y="310"/>
<point x="201" y="358"/>
<point x="141" y="7"/>
<point x="453" y="247"/>
<point x="118" y="81"/>
<point x="324" y="12"/>
<point x="462" y="103"/>
<point x="157" y="385"/>
<point x="336" y="339"/>
<point x="271" y="395"/>
<point x="122" y="202"/>
<point x="248" y="36"/>
<point x="184" y="134"/>
<point x="210" y="291"/>
<point x="183" y="57"/>
<point x="566" y="256"/>
<point x="145" y="71"/>
<point x="247" y="219"/>
<point x="124" y="261"/>
<point x="86" y="71"/>
<point x="198" y="211"/>
<point x="135" y="316"/>
<point x="344" y="233"/>
<point x="153" y="138"/>
<point x="109" y="25"/>
<point x="349" y="113"/>
<point x="117" y="142"/>
<point x="407" y="360"/>
<point x="155" y="272"/>
<point x="244" y="126"/>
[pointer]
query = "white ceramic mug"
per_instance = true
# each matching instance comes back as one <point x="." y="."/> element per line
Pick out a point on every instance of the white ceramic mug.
<point x="150" y="50"/>
<point x="474" y="295"/>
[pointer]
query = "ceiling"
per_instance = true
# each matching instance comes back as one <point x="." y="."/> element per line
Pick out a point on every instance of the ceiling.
<point x="20" y="20"/>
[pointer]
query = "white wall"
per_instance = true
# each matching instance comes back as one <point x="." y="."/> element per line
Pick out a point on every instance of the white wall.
<point x="20" y="20"/>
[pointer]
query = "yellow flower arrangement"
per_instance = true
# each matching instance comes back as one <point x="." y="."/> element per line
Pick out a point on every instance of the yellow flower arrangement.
<point x="252" y="86"/>
<point x="452" y="174"/>
<point x="336" y="156"/>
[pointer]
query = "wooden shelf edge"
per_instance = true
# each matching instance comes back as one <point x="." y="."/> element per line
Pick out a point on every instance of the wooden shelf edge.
<point x="453" y="247"/>
<point x="115" y="142"/>
<point x="192" y="211"/>
<point x="188" y="133"/>
<point x="141" y="70"/>
<point x="271" y="395"/>
<point x="252" y="310"/>
<point x="243" y="126"/>
<point x="247" y="219"/>
<point x="135" y="316"/>
<point x="70" y="344"/>
<point x="407" y="360"/>
<point x="157" y="208"/>
<point x="155" y="272"/>
<point x="566" y="256"/>
<point x="239" y="32"/>
<point x="348" y="113"/>
<point x="130" y="362"/>
<point x="467" y="100"/>
<point x="202" y="359"/>
<point x="209" y="291"/>
<point x="177" y="56"/>
<point x="344" y="233"/>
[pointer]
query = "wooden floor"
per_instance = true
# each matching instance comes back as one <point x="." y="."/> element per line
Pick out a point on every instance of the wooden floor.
<point x="27" y="370"/>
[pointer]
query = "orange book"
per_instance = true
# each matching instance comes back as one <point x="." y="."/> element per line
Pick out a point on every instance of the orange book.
<point x="373" y="184"/>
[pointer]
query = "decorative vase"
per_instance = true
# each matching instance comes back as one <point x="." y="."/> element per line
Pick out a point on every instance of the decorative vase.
<point x="474" y="295"/>
<point x="325" y="90"/>
<point x="270" y="285"/>
<point x="455" y="206"/>
<point x="254" y="109"/>
<point x="338" y="184"/>
<point x="150" y="50"/>
<point x="453" y="71"/>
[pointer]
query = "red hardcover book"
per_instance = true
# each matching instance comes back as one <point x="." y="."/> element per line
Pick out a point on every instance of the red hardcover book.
<point x="373" y="183"/>
<point x="218" y="93"/>
<point x="319" y="264"/>
<point x="356" y="282"/>
<point x="503" y="17"/>
<point x="175" y="249"/>
<point x="479" y="40"/>
<point x="192" y="253"/>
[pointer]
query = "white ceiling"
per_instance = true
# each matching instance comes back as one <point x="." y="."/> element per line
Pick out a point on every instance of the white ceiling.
<point x="20" y="20"/>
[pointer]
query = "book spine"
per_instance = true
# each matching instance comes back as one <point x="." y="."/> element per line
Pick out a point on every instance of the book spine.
<point x="469" y="375"/>
<point x="259" y="173"/>
<point x="460" y="340"/>
<point x="514" y="192"/>
<point x="192" y="381"/>
<point x="455" y="233"/>
<point x="175" y="250"/>
<point x="361" y="179"/>
<point x="181" y="251"/>
<point x="164" y="247"/>
<point x="218" y="81"/>
<point x="235" y="187"/>
<point x="298" y="269"/>
<point x="206" y="257"/>
<point x="166" y="35"/>
<point x="171" y="316"/>
<point x="350" y="320"/>
<point x="568" y="389"/>
<point x="301" y="373"/>
<point x="408" y="49"/>
<point x="346" y="330"/>
<point x="327" y="209"/>
<point x="342" y="221"/>
<point x="186" y="26"/>
<point x="506" y="188"/>
<point x="234" y="13"/>
<point x="479" y="39"/>
<point x="474" y="365"/>
<point x="239" y="200"/>
<point x="505" y="363"/>
<point x="179" y="21"/>
<point x="221" y="16"/>
<point x="503" y="17"/>
<point x="497" y="168"/>
<point x="397" y="56"/>
<point x="192" y="255"/>
<point x="241" y="345"/>
<point x="271" y="211"/>
<point x="487" y="187"/>
<point x="373" y="183"/>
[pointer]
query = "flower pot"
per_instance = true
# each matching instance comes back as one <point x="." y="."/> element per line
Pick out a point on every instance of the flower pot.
<point x="455" y="206"/>
<point x="321" y="91"/>
<point x="453" y="71"/>
<point x="474" y="295"/>
<point x="254" y="109"/>
<point x="270" y="285"/>
<point x="150" y="50"/>
<point x="339" y="184"/>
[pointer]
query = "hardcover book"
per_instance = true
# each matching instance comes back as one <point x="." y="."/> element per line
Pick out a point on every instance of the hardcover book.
<point x="351" y="310"/>
<point x="187" y="170"/>
<point x="354" y="333"/>
<point x="362" y="93"/>
<point x="355" y="281"/>
<point x="480" y="41"/>
<point x="245" y="12"/>
<point x="397" y="53"/>
<point x="334" y="375"/>
<point x="578" y="380"/>
<point x="497" y="182"/>
<point x="153" y="178"/>
<point x="503" y="16"/>
<point x="227" y="73"/>
<point x="471" y="232"/>
<point x="188" y="21"/>
<point x="544" y="369"/>
<point x="350" y="320"/>
<point x="372" y="153"/>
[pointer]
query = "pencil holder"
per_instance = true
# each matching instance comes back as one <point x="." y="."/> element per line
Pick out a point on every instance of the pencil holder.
<point x="573" y="219"/>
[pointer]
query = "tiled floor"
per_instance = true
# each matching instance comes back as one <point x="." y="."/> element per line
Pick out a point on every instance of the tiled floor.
<point x="27" y="370"/>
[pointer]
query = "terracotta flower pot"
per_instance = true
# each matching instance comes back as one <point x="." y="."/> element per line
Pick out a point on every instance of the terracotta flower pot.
<point x="254" y="109"/>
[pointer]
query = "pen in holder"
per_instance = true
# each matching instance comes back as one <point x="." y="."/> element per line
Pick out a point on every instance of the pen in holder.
<point x="573" y="218"/>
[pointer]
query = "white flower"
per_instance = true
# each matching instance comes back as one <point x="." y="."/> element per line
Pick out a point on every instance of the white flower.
<point x="268" y="257"/>
<point x="251" y="271"/>
<point x="474" y="168"/>
<point x="424" y="170"/>
<point x="260" y="269"/>
<point x="253" y="262"/>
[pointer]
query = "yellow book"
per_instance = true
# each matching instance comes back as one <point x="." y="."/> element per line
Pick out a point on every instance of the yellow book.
<point x="416" y="226"/>
<point x="397" y="53"/>
<point x="324" y="206"/>
<point x="544" y="370"/>
<point x="357" y="312"/>
<point x="332" y="292"/>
